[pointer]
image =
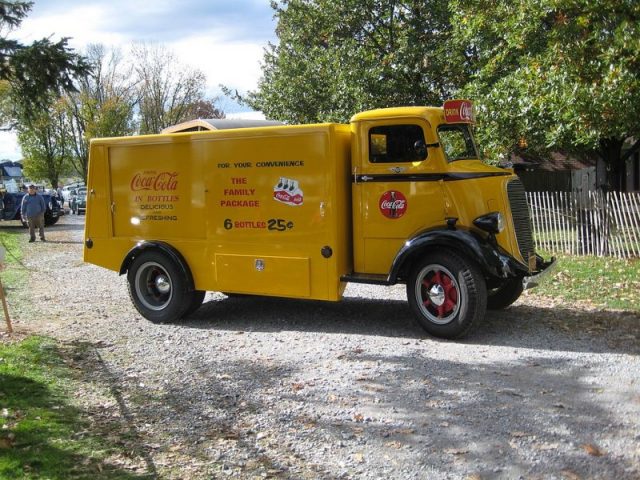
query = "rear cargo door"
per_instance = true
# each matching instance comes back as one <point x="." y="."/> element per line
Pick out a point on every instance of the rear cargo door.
<point x="157" y="190"/>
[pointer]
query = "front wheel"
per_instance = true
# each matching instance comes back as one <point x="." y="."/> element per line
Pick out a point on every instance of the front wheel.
<point x="447" y="294"/>
<point x="158" y="288"/>
<point x="504" y="295"/>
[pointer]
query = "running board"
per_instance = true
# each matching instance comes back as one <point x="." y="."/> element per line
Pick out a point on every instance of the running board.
<point x="369" y="278"/>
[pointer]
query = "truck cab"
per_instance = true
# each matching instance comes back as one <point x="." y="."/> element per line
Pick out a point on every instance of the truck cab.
<point x="429" y="213"/>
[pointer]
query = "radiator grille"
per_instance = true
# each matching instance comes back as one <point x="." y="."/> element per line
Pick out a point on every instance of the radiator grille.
<point x="521" y="218"/>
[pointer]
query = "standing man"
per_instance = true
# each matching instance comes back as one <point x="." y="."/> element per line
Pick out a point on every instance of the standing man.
<point x="32" y="209"/>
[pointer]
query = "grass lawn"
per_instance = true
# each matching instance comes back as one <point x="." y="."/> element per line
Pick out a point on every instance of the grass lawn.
<point x="12" y="241"/>
<point x="606" y="282"/>
<point x="42" y="436"/>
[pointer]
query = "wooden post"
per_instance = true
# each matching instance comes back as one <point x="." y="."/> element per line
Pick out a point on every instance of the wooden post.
<point x="6" y="309"/>
<point x="4" y="300"/>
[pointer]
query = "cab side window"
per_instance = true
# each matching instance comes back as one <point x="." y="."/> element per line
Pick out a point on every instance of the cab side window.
<point x="396" y="143"/>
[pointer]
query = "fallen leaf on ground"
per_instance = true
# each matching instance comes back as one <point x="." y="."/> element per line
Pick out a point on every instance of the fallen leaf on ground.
<point x="358" y="457"/>
<point x="394" y="444"/>
<point x="546" y="446"/>
<point x="569" y="475"/>
<point x="592" y="450"/>
<point x="456" y="451"/>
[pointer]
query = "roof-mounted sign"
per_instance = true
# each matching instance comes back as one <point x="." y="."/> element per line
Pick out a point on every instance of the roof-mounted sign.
<point x="458" y="111"/>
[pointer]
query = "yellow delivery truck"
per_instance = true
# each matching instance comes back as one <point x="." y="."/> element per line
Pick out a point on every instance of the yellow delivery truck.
<point x="398" y="195"/>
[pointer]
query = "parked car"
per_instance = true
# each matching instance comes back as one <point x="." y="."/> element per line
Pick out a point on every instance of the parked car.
<point x="79" y="202"/>
<point x="69" y="191"/>
<point x="11" y="208"/>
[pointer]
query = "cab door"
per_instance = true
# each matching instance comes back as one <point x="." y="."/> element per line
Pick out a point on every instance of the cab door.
<point x="396" y="188"/>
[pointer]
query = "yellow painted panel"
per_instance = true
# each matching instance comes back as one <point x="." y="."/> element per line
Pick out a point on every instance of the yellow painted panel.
<point x="282" y="276"/>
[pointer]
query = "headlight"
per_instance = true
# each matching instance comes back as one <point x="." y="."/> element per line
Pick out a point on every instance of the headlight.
<point x="50" y="205"/>
<point x="491" y="222"/>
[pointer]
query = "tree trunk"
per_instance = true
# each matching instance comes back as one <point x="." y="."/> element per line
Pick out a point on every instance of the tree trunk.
<point x="611" y="151"/>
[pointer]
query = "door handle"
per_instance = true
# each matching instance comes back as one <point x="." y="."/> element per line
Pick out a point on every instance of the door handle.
<point x="113" y="207"/>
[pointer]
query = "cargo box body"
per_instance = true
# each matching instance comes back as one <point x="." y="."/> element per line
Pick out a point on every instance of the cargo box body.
<point x="260" y="210"/>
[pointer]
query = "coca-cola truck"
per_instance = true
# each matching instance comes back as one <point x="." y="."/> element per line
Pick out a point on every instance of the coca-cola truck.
<point x="398" y="195"/>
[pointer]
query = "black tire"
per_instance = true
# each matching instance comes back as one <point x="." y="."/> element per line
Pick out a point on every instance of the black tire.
<point x="504" y="295"/>
<point x="48" y="221"/>
<point x="448" y="295"/>
<point x="196" y="302"/>
<point x="158" y="287"/>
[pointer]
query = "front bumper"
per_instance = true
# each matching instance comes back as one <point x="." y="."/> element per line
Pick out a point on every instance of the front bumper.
<point x="545" y="269"/>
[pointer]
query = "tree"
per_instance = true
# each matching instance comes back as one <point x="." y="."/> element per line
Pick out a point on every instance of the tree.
<point x="337" y="58"/>
<point x="103" y="104"/>
<point x="167" y="90"/>
<point x="204" y="109"/>
<point x="44" y="143"/>
<point x="562" y="75"/>
<point x="34" y="71"/>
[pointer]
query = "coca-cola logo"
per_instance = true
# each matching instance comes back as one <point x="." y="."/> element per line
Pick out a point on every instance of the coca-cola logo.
<point x="158" y="181"/>
<point x="393" y="204"/>
<point x="466" y="111"/>
<point x="457" y="111"/>
<point x="286" y="198"/>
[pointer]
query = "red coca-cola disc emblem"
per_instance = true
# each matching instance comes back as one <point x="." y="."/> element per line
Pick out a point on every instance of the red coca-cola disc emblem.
<point x="393" y="204"/>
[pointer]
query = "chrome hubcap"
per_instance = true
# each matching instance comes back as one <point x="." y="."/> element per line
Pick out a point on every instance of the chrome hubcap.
<point x="436" y="295"/>
<point x="162" y="284"/>
<point x="153" y="286"/>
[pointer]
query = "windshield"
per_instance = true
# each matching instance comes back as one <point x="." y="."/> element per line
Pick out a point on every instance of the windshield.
<point x="457" y="142"/>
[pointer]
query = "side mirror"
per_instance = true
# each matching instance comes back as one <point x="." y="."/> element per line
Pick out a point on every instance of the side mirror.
<point x="421" y="149"/>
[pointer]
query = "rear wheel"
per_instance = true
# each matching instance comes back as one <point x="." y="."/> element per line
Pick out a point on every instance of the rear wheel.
<point x="504" y="295"/>
<point x="447" y="294"/>
<point x="158" y="288"/>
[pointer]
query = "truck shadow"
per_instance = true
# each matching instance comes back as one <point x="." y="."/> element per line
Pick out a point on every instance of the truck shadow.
<point x="521" y="326"/>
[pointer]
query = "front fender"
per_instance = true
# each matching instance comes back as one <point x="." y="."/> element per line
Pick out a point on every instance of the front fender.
<point x="165" y="248"/>
<point x="491" y="259"/>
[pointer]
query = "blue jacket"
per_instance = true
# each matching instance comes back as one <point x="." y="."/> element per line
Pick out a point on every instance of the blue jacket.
<point x="32" y="206"/>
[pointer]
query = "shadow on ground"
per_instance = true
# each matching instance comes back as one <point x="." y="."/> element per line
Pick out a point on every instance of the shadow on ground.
<point x="521" y="326"/>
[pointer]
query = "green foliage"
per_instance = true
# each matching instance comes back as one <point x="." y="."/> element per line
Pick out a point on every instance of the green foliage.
<point x="39" y="437"/>
<point x="34" y="71"/>
<point x="337" y="58"/>
<point x="561" y="74"/>
<point x="44" y="143"/>
<point x="102" y="106"/>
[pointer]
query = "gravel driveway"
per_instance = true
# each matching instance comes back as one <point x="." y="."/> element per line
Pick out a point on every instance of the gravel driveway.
<point x="254" y="387"/>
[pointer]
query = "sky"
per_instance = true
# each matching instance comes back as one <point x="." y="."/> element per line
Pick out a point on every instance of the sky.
<point x="223" y="38"/>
